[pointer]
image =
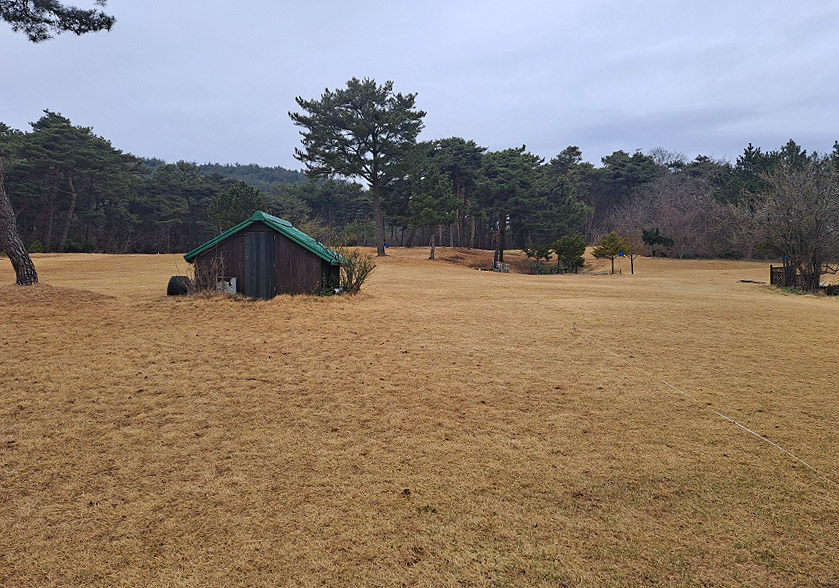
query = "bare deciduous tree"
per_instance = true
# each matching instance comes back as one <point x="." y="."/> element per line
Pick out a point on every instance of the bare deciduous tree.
<point x="798" y="214"/>
<point x="683" y="206"/>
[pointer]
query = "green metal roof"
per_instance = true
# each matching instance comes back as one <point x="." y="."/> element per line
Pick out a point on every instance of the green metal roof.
<point x="281" y="226"/>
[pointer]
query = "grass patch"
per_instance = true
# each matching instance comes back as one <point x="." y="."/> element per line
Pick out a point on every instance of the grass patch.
<point x="444" y="427"/>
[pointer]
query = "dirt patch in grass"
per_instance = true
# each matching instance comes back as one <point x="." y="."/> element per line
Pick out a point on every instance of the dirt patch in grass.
<point x="44" y="294"/>
<point x="478" y="259"/>
<point x="447" y="427"/>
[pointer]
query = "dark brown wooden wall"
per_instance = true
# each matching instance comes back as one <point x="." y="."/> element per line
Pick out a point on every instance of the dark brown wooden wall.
<point x="232" y="253"/>
<point x="297" y="270"/>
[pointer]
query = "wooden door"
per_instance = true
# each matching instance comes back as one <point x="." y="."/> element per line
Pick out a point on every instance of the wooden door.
<point x="259" y="265"/>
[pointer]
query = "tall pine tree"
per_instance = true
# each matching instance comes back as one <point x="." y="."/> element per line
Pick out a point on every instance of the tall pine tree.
<point x="364" y="130"/>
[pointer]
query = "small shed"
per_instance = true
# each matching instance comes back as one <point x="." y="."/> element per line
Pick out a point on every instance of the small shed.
<point x="267" y="256"/>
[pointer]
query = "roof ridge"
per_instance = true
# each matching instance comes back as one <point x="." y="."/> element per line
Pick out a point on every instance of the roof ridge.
<point x="276" y="219"/>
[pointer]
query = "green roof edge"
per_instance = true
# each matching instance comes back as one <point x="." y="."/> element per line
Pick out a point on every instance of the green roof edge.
<point x="281" y="226"/>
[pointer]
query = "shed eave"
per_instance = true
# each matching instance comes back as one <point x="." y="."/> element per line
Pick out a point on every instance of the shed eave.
<point x="190" y="257"/>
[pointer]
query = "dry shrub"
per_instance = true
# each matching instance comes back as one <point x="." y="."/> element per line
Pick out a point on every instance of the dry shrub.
<point x="356" y="267"/>
<point x="206" y="277"/>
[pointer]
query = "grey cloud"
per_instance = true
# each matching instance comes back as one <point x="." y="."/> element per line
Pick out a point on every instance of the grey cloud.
<point x="214" y="81"/>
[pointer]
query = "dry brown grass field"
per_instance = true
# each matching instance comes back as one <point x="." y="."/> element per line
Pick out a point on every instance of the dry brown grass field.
<point x="446" y="427"/>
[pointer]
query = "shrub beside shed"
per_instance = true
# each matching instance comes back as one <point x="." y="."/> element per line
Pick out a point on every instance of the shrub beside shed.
<point x="265" y="256"/>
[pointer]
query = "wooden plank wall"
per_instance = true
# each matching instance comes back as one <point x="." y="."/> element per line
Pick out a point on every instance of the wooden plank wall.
<point x="298" y="271"/>
<point x="232" y="253"/>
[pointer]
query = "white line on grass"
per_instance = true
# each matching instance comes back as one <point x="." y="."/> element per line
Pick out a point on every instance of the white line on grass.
<point x="597" y="343"/>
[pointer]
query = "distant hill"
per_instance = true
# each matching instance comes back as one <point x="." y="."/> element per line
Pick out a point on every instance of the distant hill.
<point x="264" y="178"/>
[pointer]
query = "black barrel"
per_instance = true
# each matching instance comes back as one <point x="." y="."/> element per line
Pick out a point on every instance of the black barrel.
<point x="178" y="286"/>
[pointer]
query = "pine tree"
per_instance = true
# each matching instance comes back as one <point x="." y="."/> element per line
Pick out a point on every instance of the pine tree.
<point x="609" y="247"/>
<point x="42" y="19"/>
<point x="364" y="130"/>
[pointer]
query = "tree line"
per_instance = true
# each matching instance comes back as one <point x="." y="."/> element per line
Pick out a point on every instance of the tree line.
<point x="71" y="190"/>
<point x="783" y="202"/>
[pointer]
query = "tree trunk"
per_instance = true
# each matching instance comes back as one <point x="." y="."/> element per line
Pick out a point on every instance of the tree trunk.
<point x="74" y="196"/>
<point x="811" y="275"/>
<point x="380" y="222"/>
<point x="10" y="241"/>
<point x="474" y="230"/>
<point x="499" y="240"/>
<point x="461" y="211"/>
<point x="431" y="256"/>
<point x="590" y="222"/>
<point x="49" y="216"/>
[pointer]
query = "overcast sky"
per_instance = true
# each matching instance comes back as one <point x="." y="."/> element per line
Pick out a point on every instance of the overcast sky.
<point x="213" y="81"/>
